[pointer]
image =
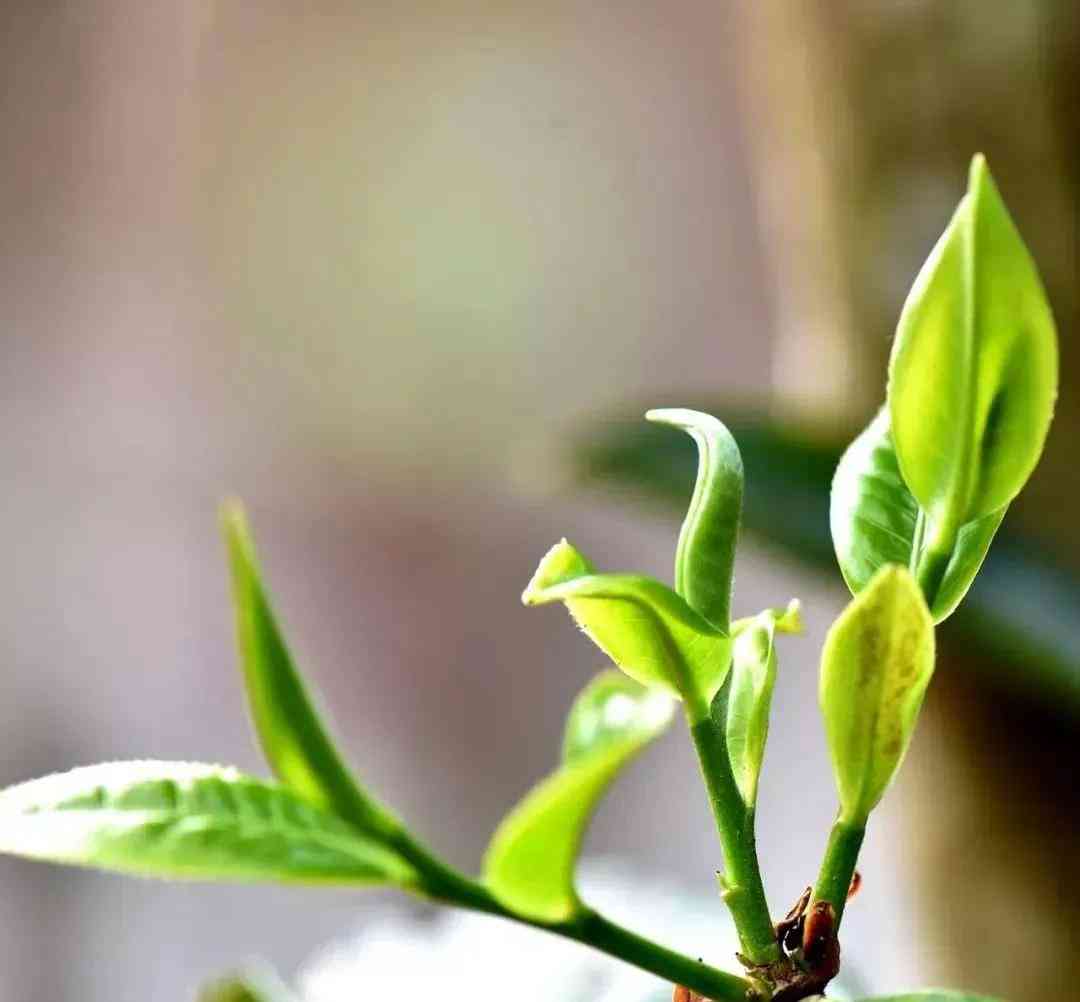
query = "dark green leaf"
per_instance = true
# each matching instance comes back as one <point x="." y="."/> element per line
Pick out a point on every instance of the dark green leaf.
<point x="706" y="552"/>
<point x="529" y="865"/>
<point x="874" y="519"/>
<point x="292" y="734"/>
<point x="185" y="820"/>
<point x="643" y="626"/>
<point x="875" y="666"/>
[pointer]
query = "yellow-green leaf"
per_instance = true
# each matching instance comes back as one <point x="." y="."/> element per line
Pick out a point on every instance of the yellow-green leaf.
<point x="875" y="667"/>
<point x="185" y="820"/>
<point x="973" y="373"/>
<point x="705" y="555"/>
<point x="875" y="519"/>
<point x="529" y="865"/>
<point x="749" y="697"/>
<point x="643" y="626"/>
<point x="290" y="728"/>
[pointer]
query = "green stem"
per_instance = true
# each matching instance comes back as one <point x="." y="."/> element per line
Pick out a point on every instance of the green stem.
<point x="588" y="927"/>
<point x="744" y="891"/>
<point x="838" y="866"/>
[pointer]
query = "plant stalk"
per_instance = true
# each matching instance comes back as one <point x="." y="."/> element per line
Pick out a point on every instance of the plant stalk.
<point x="743" y="890"/>
<point x="442" y="883"/>
<point x="838" y="866"/>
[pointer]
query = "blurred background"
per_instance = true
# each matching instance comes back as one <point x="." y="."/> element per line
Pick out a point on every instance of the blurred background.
<point x="404" y="276"/>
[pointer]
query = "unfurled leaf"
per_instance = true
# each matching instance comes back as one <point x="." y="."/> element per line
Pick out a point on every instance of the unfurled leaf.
<point x="185" y="820"/>
<point x="290" y="730"/>
<point x="748" y="699"/>
<point x="706" y="552"/>
<point x="529" y="865"/>
<point x="255" y="986"/>
<point x="643" y="626"/>
<point x="874" y="519"/>
<point x="875" y="667"/>
<point x="973" y="373"/>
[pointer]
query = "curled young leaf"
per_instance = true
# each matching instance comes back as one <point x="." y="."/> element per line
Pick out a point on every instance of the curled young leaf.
<point x="749" y="698"/>
<point x="875" y="666"/>
<point x="290" y="729"/>
<point x="184" y="820"/>
<point x="705" y="554"/>
<point x="973" y="373"/>
<point x="529" y="865"/>
<point x="643" y="626"/>
<point x="875" y="518"/>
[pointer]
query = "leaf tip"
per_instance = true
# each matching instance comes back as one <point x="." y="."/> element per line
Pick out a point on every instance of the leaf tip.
<point x="561" y="563"/>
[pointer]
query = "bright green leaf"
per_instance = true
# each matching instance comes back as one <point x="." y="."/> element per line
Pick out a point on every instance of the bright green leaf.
<point x="293" y="737"/>
<point x="875" y="667"/>
<point x="747" y="703"/>
<point x="874" y="519"/>
<point x="643" y="626"/>
<point x="706" y="552"/>
<point x="185" y="820"/>
<point x="973" y="373"/>
<point x="529" y="865"/>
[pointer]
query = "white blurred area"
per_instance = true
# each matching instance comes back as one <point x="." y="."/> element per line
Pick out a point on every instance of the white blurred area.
<point x="355" y="263"/>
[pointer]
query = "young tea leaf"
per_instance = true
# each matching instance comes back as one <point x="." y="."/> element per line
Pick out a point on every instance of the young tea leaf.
<point x="706" y="552"/>
<point x="643" y="626"/>
<point x="973" y="373"/>
<point x="529" y="865"/>
<point x="875" y="667"/>
<point x="874" y="520"/>
<point x="185" y="820"/>
<point x="748" y="699"/>
<point x="292" y="734"/>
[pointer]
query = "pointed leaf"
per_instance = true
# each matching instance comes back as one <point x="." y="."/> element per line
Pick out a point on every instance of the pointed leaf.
<point x="191" y="821"/>
<point x="873" y="517"/>
<point x="875" y="667"/>
<point x="529" y="865"/>
<point x="290" y="729"/>
<point x="973" y="373"/>
<point x="643" y="626"/>
<point x="749" y="698"/>
<point x="706" y="552"/>
<point x="786" y="620"/>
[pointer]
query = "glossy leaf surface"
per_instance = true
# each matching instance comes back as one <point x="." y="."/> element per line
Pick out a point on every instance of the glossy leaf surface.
<point x="185" y="820"/>
<point x="875" y="666"/>
<point x="873" y="517"/>
<point x="973" y="372"/>
<point x="290" y="729"/>
<point x="705" y="555"/>
<point x="749" y="697"/>
<point x="529" y="865"/>
<point x="643" y="626"/>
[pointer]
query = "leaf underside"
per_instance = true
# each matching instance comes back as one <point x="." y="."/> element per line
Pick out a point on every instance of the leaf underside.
<point x="873" y="519"/>
<point x="180" y="820"/>
<point x="530" y="862"/>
